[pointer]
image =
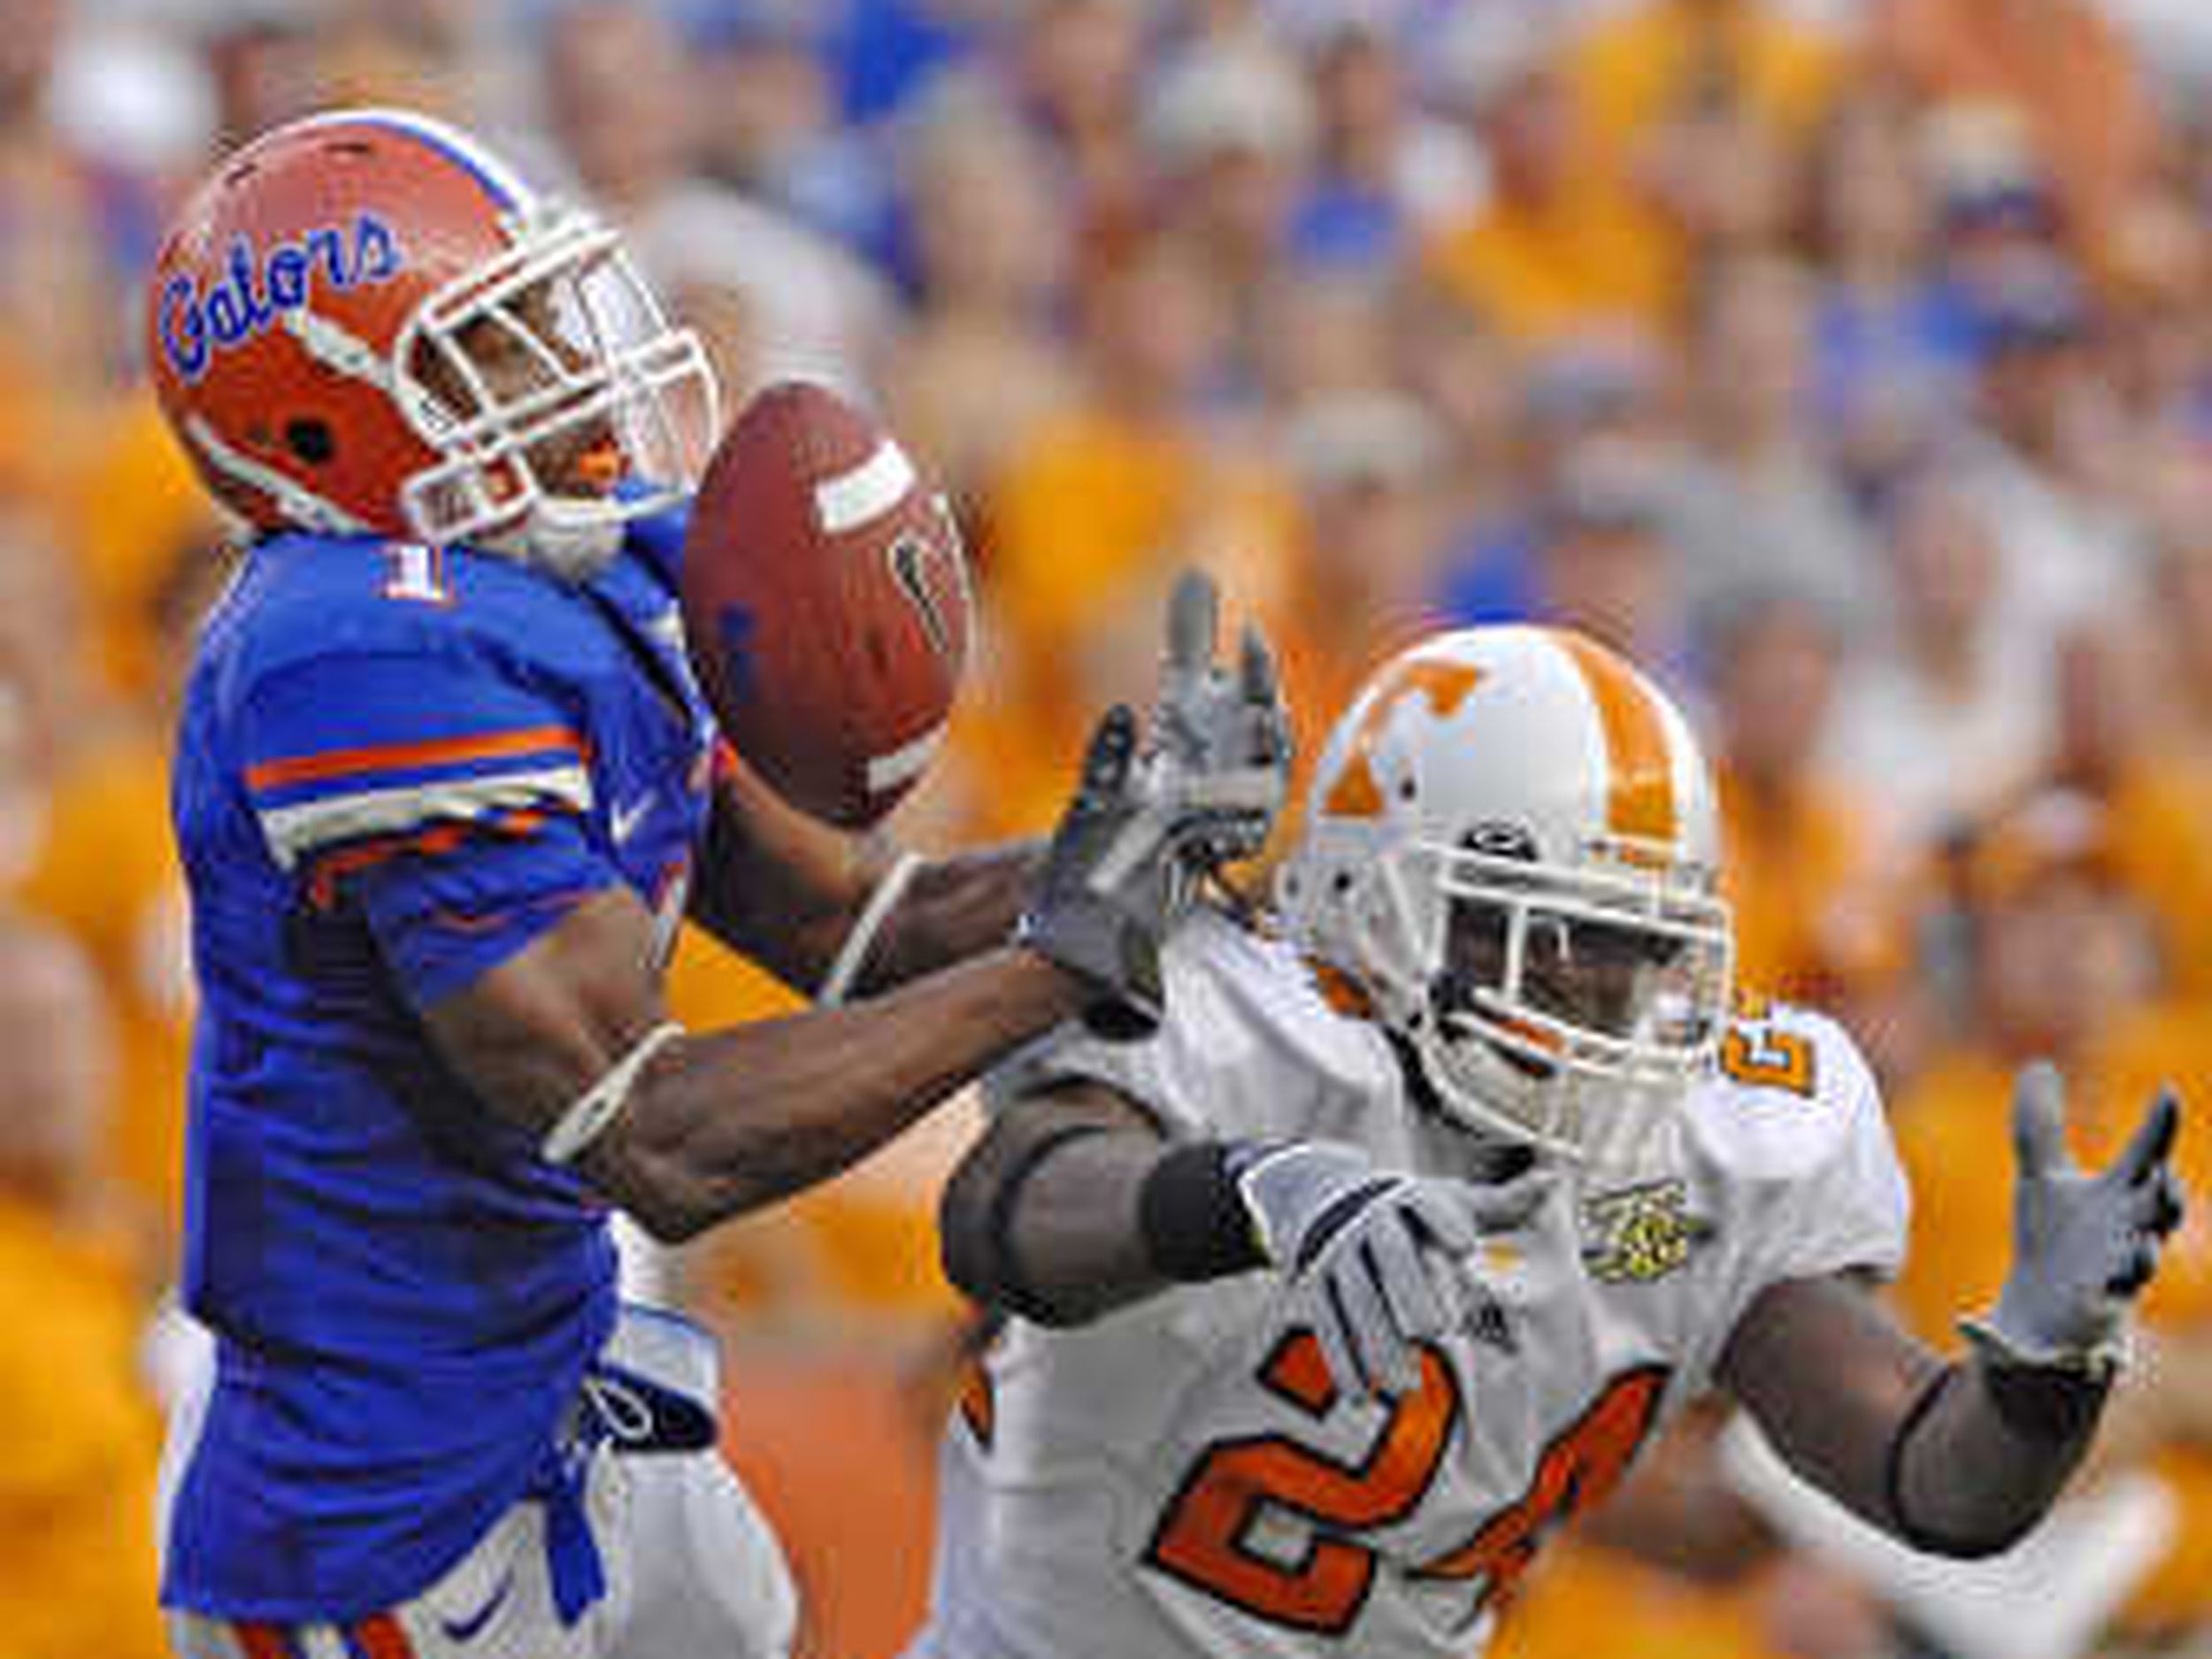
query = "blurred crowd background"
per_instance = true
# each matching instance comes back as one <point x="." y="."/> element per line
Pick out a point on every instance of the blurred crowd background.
<point x="1849" y="364"/>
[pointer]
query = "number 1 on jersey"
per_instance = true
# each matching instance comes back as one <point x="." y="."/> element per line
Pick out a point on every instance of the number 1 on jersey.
<point x="416" y="575"/>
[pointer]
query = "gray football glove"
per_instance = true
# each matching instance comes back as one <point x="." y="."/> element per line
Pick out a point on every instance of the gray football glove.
<point x="1108" y="887"/>
<point x="2083" y="1244"/>
<point x="1381" y="1253"/>
<point x="1221" y="749"/>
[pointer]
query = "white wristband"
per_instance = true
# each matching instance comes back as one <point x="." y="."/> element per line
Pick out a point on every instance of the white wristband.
<point x="602" y="1103"/>
<point x="852" y="955"/>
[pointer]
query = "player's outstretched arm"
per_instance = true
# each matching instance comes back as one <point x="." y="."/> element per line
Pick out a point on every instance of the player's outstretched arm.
<point x="1072" y="1205"/>
<point x="700" y="1127"/>
<point x="791" y="892"/>
<point x="568" y="1038"/>
<point x="1963" y="1457"/>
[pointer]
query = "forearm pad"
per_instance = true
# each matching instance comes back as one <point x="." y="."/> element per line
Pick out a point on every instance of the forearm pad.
<point x="2044" y="1417"/>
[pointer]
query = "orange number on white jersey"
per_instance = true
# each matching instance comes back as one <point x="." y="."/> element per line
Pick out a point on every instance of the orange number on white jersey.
<point x="1201" y="1538"/>
<point x="1763" y="1057"/>
<point x="1575" y="1472"/>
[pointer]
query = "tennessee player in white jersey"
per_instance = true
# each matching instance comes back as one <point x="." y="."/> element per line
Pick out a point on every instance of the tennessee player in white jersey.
<point x="1526" y="1185"/>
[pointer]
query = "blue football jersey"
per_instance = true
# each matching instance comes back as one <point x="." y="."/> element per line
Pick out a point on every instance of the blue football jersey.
<point x="397" y="765"/>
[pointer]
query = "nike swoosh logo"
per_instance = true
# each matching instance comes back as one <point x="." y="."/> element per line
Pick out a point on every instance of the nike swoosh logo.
<point x="626" y="818"/>
<point x="467" y="1630"/>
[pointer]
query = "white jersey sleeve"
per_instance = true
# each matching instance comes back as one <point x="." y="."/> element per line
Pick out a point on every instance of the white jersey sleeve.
<point x="1797" y="1163"/>
<point x="1248" y="1046"/>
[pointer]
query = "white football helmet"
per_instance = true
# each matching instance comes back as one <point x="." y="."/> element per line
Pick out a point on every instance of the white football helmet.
<point x="1510" y="851"/>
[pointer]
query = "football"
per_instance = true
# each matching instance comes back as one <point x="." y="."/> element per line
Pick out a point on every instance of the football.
<point x="826" y="602"/>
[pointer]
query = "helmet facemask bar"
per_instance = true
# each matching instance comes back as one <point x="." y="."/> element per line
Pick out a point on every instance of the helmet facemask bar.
<point x="566" y="403"/>
<point x="1570" y="1007"/>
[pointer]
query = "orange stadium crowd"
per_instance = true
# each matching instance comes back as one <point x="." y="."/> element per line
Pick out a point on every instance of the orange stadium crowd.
<point x="1848" y="364"/>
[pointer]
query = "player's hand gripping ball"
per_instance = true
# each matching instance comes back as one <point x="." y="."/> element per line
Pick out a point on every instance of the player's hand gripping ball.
<point x="825" y="601"/>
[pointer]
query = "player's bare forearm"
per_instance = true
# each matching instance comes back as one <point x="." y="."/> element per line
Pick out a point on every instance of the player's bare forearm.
<point x="1043" y="1214"/>
<point x="1945" y="1456"/>
<point x="786" y="891"/>
<point x="729" y="1121"/>
<point x="776" y="886"/>
<point x="1073" y="1205"/>
<point x="951" y="910"/>
<point x="718" y="1124"/>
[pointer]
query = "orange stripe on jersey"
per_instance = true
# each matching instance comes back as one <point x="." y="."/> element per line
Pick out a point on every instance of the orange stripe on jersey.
<point x="379" y="1637"/>
<point x="322" y="891"/>
<point x="341" y="762"/>
<point x="262" y="1641"/>
<point x="1639" y="801"/>
<point x="1357" y="792"/>
<point x="437" y="839"/>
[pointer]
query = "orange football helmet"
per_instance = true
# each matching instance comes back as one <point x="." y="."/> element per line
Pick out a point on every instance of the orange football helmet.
<point x="364" y="322"/>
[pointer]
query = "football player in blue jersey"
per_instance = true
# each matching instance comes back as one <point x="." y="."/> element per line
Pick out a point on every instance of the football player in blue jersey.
<point x="444" y="787"/>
